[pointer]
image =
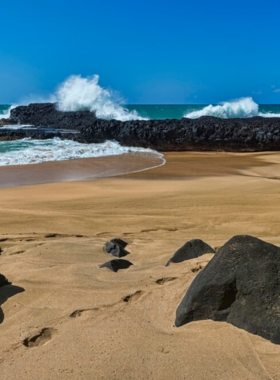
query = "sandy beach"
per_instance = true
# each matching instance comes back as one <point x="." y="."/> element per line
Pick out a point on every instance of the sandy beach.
<point x="91" y="323"/>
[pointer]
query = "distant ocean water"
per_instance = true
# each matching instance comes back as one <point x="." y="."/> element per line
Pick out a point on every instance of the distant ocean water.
<point x="29" y="151"/>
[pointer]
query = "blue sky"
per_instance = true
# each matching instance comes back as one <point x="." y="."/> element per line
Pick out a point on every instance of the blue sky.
<point x="150" y="51"/>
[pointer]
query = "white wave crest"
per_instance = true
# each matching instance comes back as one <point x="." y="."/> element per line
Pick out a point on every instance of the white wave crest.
<point x="27" y="151"/>
<point x="244" y="107"/>
<point x="78" y="93"/>
<point x="269" y="114"/>
<point x="6" y="114"/>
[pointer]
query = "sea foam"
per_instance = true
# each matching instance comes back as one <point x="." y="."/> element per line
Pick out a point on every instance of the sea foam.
<point x="244" y="107"/>
<point x="240" y="108"/>
<point x="6" y="114"/>
<point x="78" y="93"/>
<point x="27" y="151"/>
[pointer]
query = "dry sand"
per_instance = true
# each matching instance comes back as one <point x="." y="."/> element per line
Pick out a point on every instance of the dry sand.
<point x="84" y="328"/>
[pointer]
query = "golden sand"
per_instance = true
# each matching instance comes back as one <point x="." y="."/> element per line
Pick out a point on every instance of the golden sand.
<point x="52" y="239"/>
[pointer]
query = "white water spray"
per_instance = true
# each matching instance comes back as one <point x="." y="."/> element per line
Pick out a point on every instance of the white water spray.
<point x="78" y="93"/>
<point x="244" y="107"/>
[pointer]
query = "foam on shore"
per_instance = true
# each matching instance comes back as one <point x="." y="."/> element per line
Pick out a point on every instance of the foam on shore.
<point x="27" y="151"/>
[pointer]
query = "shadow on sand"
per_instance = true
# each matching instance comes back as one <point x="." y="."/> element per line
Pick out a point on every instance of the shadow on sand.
<point x="7" y="292"/>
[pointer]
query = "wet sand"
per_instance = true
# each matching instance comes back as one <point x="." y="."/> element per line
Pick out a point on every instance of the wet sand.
<point x="77" y="170"/>
<point x="52" y="237"/>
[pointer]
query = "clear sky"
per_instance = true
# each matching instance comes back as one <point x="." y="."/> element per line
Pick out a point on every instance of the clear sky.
<point x="197" y="51"/>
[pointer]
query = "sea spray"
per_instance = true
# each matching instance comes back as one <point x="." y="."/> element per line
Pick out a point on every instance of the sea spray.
<point x="78" y="93"/>
<point x="239" y="108"/>
<point x="244" y="107"/>
<point x="5" y="111"/>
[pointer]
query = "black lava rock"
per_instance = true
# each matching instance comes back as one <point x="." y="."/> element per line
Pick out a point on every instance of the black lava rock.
<point x="120" y="242"/>
<point x="240" y="285"/>
<point x="47" y="115"/>
<point x="116" y="264"/>
<point x="206" y="133"/>
<point x="116" y="248"/>
<point x="3" y="281"/>
<point x="190" y="250"/>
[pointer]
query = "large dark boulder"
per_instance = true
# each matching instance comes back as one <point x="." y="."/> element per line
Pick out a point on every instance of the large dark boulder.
<point x="240" y="285"/>
<point x="190" y="250"/>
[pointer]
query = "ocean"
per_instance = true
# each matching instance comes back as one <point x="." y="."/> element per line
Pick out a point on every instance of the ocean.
<point x="29" y="151"/>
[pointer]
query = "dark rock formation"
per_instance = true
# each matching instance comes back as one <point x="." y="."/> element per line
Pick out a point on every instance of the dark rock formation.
<point x="6" y="122"/>
<point x="240" y="285"/>
<point x="39" y="133"/>
<point x="190" y="250"/>
<point x="205" y="134"/>
<point x="116" y="264"/>
<point x="116" y="247"/>
<point x="3" y="281"/>
<point x="46" y="115"/>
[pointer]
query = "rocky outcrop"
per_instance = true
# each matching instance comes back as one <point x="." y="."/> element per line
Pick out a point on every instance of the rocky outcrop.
<point x="240" y="285"/>
<point x="190" y="250"/>
<point x="46" y="115"/>
<point x="204" y="134"/>
<point x="6" y="122"/>
<point x="38" y="133"/>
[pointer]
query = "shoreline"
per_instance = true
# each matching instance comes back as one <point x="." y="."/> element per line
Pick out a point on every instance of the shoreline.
<point x="182" y="165"/>
<point x="78" y="169"/>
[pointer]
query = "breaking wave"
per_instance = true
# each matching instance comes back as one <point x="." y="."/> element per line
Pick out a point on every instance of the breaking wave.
<point x="5" y="113"/>
<point x="78" y="93"/>
<point x="27" y="151"/>
<point x="240" y="108"/>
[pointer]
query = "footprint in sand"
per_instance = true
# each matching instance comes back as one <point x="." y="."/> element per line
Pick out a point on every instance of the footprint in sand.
<point x="16" y="253"/>
<point x="79" y="313"/>
<point x="133" y="297"/>
<point x="197" y="268"/>
<point x="41" y="338"/>
<point x="162" y="281"/>
<point x="47" y="236"/>
<point x="160" y="229"/>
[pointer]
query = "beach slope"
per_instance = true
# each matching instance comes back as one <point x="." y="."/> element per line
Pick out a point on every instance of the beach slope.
<point x="75" y="320"/>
